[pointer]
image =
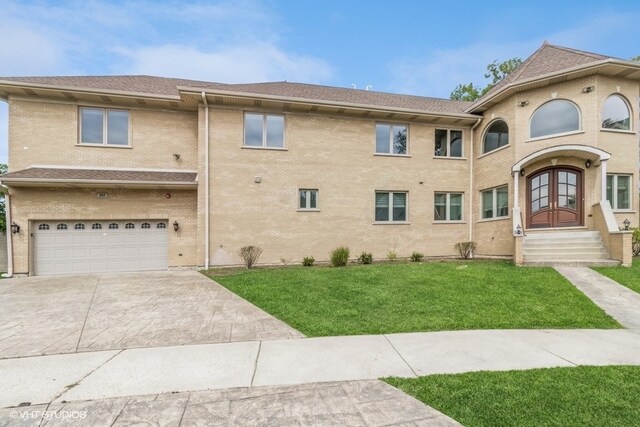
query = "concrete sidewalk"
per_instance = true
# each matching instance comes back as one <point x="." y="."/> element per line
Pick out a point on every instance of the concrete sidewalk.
<point x="110" y="374"/>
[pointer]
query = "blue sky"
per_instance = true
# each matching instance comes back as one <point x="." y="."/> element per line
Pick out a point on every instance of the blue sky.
<point x="418" y="47"/>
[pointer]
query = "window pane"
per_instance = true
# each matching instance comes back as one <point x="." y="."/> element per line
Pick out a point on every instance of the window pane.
<point x="487" y="204"/>
<point x="440" y="207"/>
<point x="610" y="190"/>
<point x="382" y="206"/>
<point x="399" y="140"/>
<point x="441" y="142"/>
<point x="555" y="117"/>
<point x="456" y="143"/>
<point x="303" y="199"/>
<point x="624" y="193"/>
<point x="503" y="201"/>
<point x="615" y="114"/>
<point x="118" y="127"/>
<point x="399" y="206"/>
<point x="275" y="131"/>
<point x="497" y="136"/>
<point x="313" y="200"/>
<point x="253" y="130"/>
<point x="92" y="122"/>
<point x="455" y="210"/>
<point x="382" y="138"/>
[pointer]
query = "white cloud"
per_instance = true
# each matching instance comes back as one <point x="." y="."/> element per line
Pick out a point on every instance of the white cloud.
<point x="236" y="64"/>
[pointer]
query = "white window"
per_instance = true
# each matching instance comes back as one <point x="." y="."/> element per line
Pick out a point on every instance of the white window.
<point x="619" y="191"/>
<point x="447" y="207"/>
<point x="391" y="206"/>
<point x="616" y="114"/>
<point x="555" y="117"/>
<point x="263" y="130"/>
<point x="448" y="143"/>
<point x="495" y="203"/>
<point x="391" y="139"/>
<point x="104" y="126"/>
<point x="308" y="199"/>
<point x="497" y="136"/>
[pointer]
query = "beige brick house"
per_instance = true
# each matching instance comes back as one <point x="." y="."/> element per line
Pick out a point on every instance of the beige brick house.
<point x="128" y="173"/>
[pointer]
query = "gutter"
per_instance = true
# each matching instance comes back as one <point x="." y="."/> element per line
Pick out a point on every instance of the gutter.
<point x="471" y="157"/>
<point x="206" y="181"/>
<point x="7" y="203"/>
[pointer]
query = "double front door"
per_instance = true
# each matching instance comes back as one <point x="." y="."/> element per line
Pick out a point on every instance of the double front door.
<point x="554" y="198"/>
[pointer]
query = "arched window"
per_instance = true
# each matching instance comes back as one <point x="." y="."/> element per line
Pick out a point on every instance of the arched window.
<point x="113" y="226"/>
<point x="129" y="226"/>
<point x="554" y="117"/>
<point x="497" y="136"/>
<point x="616" y="114"/>
<point x="96" y="226"/>
<point x="161" y="225"/>
<point x="79" y="226"/>
<point x="145" y="225"/>
<point x="61" y="226"/>
<point x="43" y="227"/>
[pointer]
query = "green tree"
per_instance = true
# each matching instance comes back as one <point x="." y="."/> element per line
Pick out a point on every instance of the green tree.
<point x="635" y="59"/>
<point x="496" y="71"/>
<point x="3" y="212"/>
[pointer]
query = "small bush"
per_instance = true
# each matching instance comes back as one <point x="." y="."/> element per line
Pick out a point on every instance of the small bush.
<point x="308" y="261"/>
<point x="340" y="256"/>
<point x="417" y="256"/>
<point x="365" y="258"/>
<point x="636" y="242"/>
<point x="465" y="249"/>
<point x="392" y="256"/>
<point x="250" y="255"/>
<point x="285" y="262"/>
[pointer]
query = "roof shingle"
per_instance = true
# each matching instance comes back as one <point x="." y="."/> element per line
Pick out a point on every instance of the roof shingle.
<point x="59" y="174"/>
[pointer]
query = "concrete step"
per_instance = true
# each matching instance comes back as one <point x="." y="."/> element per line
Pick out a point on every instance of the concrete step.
<point x="562" y="234"/>
<point x="536" y="242"/>
<point x="573" y="263"/>
<point x="565" y="250"/>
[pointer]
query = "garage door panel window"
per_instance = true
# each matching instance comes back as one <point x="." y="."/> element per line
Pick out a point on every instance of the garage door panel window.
<point x="43" y="227"/>
<point x="113" y="226"/>
<point x="145" y="225"/>
<point x="61" y="226"/>
<point x="79" y="227"/>
<point x="161" y="225"/>
<point x="129" y="226"/>
<point x="96" y="226"/>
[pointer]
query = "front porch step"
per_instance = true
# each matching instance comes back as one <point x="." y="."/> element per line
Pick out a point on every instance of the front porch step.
<point x="566" y="248"/>
<point x="574" y="263"/>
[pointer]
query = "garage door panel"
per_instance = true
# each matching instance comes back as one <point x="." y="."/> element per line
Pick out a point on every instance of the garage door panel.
<point x="98" y="250"/>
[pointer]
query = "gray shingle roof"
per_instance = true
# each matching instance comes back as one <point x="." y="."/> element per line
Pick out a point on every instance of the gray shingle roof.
<point x="45" y="174"/>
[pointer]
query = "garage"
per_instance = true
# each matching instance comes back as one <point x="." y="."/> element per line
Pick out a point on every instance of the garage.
<point x="72" y="247"/>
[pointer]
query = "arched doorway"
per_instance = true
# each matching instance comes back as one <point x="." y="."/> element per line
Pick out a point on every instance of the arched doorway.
<point x="555" y="198"/>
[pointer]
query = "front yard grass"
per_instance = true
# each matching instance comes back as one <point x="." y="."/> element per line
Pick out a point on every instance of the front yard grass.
<point x="629" y="277"/>
<point x="430" y="296"/>
<point x="581" y="396"/>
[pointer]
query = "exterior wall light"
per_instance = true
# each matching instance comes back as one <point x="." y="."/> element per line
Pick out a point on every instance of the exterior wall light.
<point x="15" y="228"/>
<point x="626" y="223"/>
<point x="523" y="103"/>
<point x="518" y="230"/>
<point x="587" y="164"/>
<point x="588" y="89"/>
<point x="176" y="226"/>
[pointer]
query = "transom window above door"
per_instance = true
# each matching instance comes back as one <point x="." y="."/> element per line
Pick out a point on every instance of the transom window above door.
<point x="263" y="130"/>
<point x="101" y="126"/>
<point x="391" y="139"/>
<point x="448" y="143"/>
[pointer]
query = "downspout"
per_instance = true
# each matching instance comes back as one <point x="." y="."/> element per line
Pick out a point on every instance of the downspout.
<point x="206" y="181"/>
<point x="7" y="205"/>
<point x="471" y="156"/>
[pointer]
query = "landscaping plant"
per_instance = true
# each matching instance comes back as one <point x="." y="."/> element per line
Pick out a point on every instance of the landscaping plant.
<point x="365" y="258"/>
<point x="308" y="261"/>
<point x="636" y="242"/>
<point x="417" y="256"/>
<point x="340" y="256"/>
<point x="392" y="256"/>
<point x="250" y="255"/>
<point x="465" y="249"/>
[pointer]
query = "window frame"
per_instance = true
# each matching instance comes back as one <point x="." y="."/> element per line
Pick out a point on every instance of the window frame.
<point x="308" y="208"/>
<point x="629" y="110"/>
<point x="390" y="219"/>
<point x="264" y="145"/>
<point x="486" y="131"/>
<point x="448" y="219"/>
<point x="556" y="135"/>
<point x="449" y="156"/>
<point x="105" y="127"/>
<point x="494" y="207"/>
<point x="614" y="192"/>
<point x="391" y="133"/>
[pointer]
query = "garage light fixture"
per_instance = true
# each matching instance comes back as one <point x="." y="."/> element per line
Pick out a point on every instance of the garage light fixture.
<point x="15" y="228"/>
<point x="176" y="226"/>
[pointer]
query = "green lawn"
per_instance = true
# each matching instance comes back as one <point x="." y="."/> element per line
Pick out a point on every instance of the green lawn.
<point x="430" y="296"/>
<point x="582" y="396"/>
<point x="629" y="277"/>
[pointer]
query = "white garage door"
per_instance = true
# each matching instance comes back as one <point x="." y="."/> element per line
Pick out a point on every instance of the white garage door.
<point x="70" y="247"/>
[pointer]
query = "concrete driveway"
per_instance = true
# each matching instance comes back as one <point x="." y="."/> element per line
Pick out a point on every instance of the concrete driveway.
<point x="51" y="315"/>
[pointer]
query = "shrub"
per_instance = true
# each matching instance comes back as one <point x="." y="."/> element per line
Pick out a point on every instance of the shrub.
<point x="340" y="256"/>
<point x="465" y="249"/>
<point x="308" y="261"/>
<point x="417" y="256"/>
<point x="365" y="258"/>
<point x="392" y="256"/>
<point x="285" y="262"/>
<point x="636" y="242"/>
<point x="250" y="255"/>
